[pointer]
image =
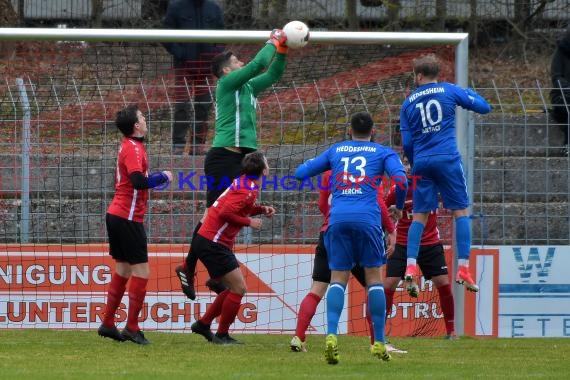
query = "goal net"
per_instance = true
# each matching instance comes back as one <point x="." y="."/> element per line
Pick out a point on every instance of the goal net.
<point x="58" y="150"/>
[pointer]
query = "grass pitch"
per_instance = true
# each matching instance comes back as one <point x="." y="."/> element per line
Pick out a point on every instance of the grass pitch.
<point x="50" y="354"/>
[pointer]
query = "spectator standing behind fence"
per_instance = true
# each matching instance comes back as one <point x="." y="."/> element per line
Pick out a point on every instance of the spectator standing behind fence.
<point x="560" y="75"/>
<point x="192" y="72"/>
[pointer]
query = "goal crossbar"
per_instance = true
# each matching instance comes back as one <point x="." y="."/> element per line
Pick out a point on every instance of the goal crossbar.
<point x="228" y="36"/>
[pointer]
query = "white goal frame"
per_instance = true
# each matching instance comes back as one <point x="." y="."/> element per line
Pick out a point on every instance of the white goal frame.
<point x="465" y="126"/>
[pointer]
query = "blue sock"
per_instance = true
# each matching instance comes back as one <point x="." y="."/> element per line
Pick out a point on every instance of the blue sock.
<point x="335" y="303"/>
<point x="463" y="236"/>
<point x="414" y="238"/>
<point x="377" y="308"/>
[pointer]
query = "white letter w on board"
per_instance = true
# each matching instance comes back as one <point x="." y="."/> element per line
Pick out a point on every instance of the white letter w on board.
<point x="533" y="260"/>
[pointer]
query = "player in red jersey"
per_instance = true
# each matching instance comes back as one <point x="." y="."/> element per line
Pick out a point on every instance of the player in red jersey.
<point x="431" y="260"/>
<point x="322" y="273"/>
<point x="124" y="220"/>
<point x="215" y="239"/>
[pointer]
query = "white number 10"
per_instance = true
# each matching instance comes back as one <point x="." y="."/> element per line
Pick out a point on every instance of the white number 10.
<point x="427" y="117"/>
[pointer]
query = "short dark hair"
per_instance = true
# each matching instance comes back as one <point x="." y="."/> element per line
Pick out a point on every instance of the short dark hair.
<point x="126" y="119"/>
<point x="361" y="124"/>
<point x="253" y="164"/>
<point x="427" y="65"/>
<point x="219" y="62"/>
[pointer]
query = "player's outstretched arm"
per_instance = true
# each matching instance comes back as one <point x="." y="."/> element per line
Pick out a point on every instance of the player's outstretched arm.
<point x="230" y="210"/>
<point x="269" y="77"/>
<point x="313" y="166"/>
<point x="238" y="78"/>
<point x="277" y="66"/>
<point x="141" y="182"/>
<point x="475" y="102"/>
<point x="268" y="211"/>
<point x="278" y="38"/>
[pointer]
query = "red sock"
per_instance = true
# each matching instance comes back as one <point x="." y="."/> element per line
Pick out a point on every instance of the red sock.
<point x="215" y="309"/>
<point x="307" y="311"/>
<point x="230" y="309"/>
<point x="114" y="295"/>
<point x="447" y="306"/>
<point x="389" y="293"/>
<point x="370" y="325"/>
<point x="137" y="292"/>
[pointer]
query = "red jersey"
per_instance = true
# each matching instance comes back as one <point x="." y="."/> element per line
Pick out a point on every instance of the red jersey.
<point x="431" y="233"/>
<point x="231" y="211"/>
<point x="128" y="202"/>
<point x="325" y="205"/>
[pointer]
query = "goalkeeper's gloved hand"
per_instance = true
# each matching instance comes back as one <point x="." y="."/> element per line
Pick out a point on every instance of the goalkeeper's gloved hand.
<point x="279" y="39"/>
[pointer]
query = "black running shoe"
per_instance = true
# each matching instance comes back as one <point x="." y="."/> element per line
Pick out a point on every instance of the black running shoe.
<point x="224" y="339"/>
<point x="110" y="332"/>
<point x="186" y="282"/>
<point x="137" y="337"/>
<point x="215" y="286"/>
<point x="202" y="329"/>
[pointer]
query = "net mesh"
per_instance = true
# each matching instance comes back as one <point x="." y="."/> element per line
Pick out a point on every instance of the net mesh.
<point x="56" y="268"/>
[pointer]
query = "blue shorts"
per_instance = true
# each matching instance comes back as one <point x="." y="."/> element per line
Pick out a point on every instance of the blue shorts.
<point x="349" y="244"/>
<point x="441" y="174"/>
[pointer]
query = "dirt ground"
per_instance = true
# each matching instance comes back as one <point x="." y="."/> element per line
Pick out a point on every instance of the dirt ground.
<point x="499" y="64"/>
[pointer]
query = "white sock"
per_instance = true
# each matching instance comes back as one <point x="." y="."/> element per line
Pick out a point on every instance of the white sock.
<point x="411" y="262"/>
<point x="463" y="262"/>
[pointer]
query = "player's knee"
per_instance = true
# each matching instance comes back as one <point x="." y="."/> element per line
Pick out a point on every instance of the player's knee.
<point x="459" y="213"/>
<point x="240" y="289"/>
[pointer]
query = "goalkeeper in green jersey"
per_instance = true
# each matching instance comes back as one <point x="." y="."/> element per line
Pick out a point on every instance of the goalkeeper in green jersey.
<point x="236" y="127"/>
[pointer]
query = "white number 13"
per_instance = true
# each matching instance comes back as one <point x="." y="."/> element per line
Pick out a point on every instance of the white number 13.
<point x="359" y="162"/>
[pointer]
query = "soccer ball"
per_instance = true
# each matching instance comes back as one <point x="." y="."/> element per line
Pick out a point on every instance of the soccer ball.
<point x="297" y="33"/>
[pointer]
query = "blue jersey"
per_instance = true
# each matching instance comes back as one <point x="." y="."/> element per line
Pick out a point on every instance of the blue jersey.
<point x="427" y="118"/>
<point x="358" y="169"/>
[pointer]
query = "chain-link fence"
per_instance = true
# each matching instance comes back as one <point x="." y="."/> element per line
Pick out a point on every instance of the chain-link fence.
<point x="521" y="178"/>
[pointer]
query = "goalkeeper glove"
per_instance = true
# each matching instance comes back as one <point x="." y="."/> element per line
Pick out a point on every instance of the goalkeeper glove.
<point x="279" y="39"/>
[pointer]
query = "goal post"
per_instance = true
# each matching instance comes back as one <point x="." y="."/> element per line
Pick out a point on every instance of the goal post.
<point x="69" y="122"/>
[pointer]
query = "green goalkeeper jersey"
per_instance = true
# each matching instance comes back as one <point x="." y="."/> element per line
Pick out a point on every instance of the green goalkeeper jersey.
<point x="236" y="99"/>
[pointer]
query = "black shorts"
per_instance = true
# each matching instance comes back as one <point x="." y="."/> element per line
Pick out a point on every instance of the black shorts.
<point x="223" y="166"/>
<point x="217" y="258"/>
<point x="321" y="271"/>
<point x="127" y="240"/>
<point x="431" y="260"/>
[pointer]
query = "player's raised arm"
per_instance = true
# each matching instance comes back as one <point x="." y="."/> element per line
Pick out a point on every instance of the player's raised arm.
<point x="472" y="101"/>
<point x="237" y="78"/>
<point x="313" y="166"/>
